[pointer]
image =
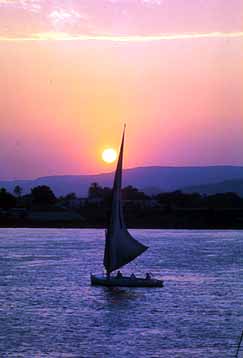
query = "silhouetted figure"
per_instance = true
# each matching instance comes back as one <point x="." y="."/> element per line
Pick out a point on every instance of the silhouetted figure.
<point x="148" y="277"/>
<point x="119" y="274"/>
<point x="132" y="276"/>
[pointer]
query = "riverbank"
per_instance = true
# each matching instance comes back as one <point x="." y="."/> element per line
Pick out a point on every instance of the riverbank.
<point x="137" y="219"/>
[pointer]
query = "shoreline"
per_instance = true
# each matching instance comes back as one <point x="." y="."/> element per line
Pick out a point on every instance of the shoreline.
<point x="100" y="227"/>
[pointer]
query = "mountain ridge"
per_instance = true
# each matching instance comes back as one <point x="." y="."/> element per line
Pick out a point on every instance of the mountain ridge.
<point x="226" y="186"/>
<point x="165" y="178"/>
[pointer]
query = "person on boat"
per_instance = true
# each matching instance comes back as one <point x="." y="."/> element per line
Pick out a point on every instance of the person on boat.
<point x="132" y="276"/>
<point x="119" y="274"/>
<point x="148" y="276"/>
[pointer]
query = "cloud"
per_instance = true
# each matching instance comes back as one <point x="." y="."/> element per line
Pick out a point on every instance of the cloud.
<point x="62" y="16"/>
<point x="9" y="2"/>
<point x="149" y="2"/>
<point x="30" y="5"/>
<point x="63" y="36"/>
<point x="152" y="2"/>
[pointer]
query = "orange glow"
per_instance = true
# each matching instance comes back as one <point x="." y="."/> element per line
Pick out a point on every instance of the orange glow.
<point x="56" y="117"/>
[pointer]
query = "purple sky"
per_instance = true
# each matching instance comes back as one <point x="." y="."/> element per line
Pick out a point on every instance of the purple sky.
<point x="72" y="72"/>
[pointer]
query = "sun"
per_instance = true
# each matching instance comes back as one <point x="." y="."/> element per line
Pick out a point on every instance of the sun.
<point x="109" y="155"/>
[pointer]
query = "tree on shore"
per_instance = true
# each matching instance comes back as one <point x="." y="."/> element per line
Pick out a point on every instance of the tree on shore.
<point x="132" y="193"/>
<point x="7" y="200"/>
<point x="95" y="191"/>
<point x="18" y="191"/>
<point x="42" y="195"/>
<point x="70" y="196"/>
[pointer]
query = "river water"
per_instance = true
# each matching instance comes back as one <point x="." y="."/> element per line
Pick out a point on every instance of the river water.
<point x="49" y="309"/>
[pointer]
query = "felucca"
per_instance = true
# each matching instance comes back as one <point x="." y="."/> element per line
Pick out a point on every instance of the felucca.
<point x="120" y="247"/>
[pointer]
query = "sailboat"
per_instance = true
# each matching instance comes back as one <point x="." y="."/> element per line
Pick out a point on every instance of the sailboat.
<point x="120" y="247"/>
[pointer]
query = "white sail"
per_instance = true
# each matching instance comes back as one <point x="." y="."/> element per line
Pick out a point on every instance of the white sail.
<point x="120" y="246"/>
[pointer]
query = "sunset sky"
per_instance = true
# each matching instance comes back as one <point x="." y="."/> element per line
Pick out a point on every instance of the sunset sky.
<point x="73" y="72"/>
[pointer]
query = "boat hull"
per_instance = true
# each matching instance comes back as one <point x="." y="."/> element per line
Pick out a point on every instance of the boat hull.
<point x="124" y="281"/>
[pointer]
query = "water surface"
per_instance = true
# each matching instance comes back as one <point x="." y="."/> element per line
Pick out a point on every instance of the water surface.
<point x="48" y="308"/>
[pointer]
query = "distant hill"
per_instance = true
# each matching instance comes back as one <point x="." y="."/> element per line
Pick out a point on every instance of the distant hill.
<point x="150" y="179"/>
<point x="234" y="186"/>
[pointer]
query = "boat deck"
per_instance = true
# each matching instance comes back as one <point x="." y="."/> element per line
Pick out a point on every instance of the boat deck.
<point x="124" y="281"/>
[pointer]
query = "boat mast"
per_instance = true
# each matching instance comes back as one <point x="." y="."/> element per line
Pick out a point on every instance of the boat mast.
<point x="120" y="247"/>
